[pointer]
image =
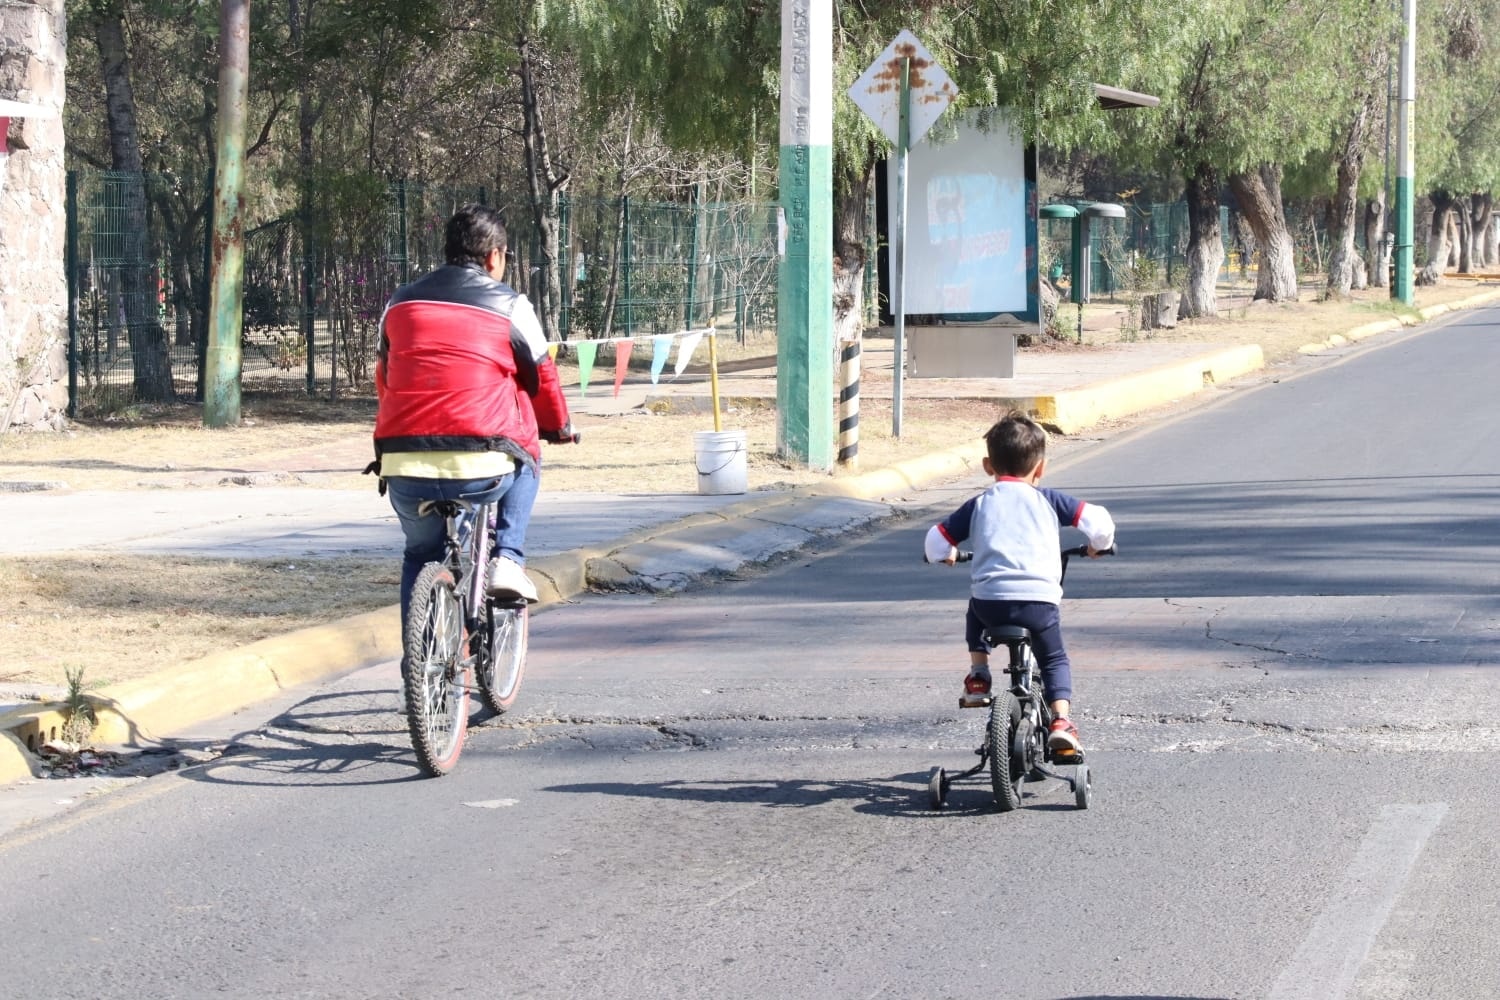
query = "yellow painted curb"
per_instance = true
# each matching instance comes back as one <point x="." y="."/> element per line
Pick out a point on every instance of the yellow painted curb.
<point x="15" y="763"/>
<point x="1076" y="410"/>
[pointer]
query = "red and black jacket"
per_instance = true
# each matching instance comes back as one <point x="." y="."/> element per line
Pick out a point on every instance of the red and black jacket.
<point x="455" y="375"/>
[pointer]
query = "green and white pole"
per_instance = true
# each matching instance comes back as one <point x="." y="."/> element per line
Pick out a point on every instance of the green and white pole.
<point x="804" y="311"/>
<point x="222" y="360"/>
<point x="1402" y="287"/>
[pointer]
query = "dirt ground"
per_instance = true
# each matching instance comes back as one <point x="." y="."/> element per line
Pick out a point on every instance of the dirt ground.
<point x="61" y="611"/>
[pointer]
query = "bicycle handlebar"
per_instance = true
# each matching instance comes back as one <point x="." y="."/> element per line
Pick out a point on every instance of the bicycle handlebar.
<point x="1077" y="550"/>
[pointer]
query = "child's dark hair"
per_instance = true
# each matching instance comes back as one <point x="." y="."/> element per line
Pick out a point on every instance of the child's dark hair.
<point x="1016" y="444"/>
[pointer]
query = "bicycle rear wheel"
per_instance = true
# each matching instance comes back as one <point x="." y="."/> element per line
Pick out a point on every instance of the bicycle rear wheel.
<point x="437" y="690"/>
<point x="500" y="669"/>
<point x="1006" y="771"/>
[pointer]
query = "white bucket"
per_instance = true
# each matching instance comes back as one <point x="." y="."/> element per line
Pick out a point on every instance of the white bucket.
<point x="722" y="458"/>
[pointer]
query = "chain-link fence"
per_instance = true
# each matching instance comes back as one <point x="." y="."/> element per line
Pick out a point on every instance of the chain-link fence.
<point x="317" y="277"/>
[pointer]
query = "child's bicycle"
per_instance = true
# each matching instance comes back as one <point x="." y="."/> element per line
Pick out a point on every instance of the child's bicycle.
<point x="456" y="636"/>
<point x="1015" y="740"/>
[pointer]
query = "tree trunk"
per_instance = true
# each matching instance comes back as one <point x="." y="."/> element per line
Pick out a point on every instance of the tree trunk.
<point x="1491" y="238"/>
<point x="1464" y="220"/>
<point x="617" y="250"/>
<point x="1438" y="246"/>
<point x="1377" y="254"/>
<point x="149" y="351"/>
<point x="1205" y="252"/>
<point x="849" y="207"/>
<point x="1259" y="195"/>
<point x="545" y="185"/>
<point x="1345" y="203"/>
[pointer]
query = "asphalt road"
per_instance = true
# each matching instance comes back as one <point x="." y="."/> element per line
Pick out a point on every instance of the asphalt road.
<point x="1284" y="681"/>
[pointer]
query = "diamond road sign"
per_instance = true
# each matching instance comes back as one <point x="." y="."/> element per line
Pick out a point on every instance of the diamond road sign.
<point x="878" y="90"/>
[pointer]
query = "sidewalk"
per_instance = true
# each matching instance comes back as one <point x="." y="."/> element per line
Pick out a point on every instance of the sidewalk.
<point x="646" y="542"/>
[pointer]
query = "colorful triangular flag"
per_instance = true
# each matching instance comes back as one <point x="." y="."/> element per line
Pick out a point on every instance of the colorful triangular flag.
<point x="587" y="351"/>
<point x="622" y="362"/>
<point x="661" y="349"/>
<point x="685" y="349"/>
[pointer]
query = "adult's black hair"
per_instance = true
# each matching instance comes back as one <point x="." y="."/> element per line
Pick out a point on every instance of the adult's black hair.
<point x="472" y="232"/>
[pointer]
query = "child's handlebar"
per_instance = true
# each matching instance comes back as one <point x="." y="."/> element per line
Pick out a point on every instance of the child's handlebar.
<point x="1077" y="550"/>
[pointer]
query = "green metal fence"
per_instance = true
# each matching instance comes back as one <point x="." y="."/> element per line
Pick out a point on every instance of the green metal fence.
<point x="317" y="277"/>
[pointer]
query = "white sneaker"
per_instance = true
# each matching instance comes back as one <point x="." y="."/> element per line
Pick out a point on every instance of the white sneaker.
<point x="508" y="579"/>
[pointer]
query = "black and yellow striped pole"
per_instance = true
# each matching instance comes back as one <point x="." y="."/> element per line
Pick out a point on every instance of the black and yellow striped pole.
<point x="849" y="359"/>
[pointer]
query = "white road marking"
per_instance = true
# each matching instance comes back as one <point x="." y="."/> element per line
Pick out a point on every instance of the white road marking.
<point x="1325" y="966"/>
<point x="491" y="803"/>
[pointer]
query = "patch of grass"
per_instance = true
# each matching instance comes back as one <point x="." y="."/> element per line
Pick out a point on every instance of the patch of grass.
<point x="125" y="616"/>
<point x="77" y="709"/>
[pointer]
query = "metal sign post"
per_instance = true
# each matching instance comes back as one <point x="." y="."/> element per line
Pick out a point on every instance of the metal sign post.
<point x="898" y="249"/>
<point x="903" y="91"/>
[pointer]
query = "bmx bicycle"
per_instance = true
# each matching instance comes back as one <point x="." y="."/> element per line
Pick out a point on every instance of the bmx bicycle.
<point x="1015" y="738"/>
<point x="457" y="637"/>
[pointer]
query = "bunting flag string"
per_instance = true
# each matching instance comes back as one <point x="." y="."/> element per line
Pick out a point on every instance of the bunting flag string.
<point x="587" y="351"/>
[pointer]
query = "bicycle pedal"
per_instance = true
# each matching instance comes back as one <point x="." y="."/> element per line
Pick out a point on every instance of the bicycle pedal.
<point x="976" y="700"/>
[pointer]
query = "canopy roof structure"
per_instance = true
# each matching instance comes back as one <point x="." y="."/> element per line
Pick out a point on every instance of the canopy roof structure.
<point x="1116" y="99"/>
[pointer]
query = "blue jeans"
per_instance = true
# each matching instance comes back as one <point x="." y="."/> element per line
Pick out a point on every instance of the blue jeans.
<point x="424" y="535"/>
<point x="1044" y="621"/>
<point x="513" y="515"/>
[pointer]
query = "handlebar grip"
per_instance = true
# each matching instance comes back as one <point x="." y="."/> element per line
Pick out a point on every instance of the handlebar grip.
<point x="1083" y="550"/>
<point x="566" y="435"/>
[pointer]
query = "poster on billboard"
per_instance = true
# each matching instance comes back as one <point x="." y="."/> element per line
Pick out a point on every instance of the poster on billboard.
<point x="971" y="231"/>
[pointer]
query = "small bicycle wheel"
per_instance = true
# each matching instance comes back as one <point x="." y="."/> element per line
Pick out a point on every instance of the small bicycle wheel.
<point x="1006" y="770"/>
<point x="500" y="669"/>
<point x="937" y="788"/>
<point x="437" y="693"/>
<point x="1083" y="786"/>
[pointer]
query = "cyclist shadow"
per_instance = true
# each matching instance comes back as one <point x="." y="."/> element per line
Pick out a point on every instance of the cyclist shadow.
<point x="346" y="738"/>
<point x="899" y="795"/>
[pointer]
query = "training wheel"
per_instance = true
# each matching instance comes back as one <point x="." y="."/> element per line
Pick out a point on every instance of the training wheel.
<point x="1082" y="786"/>
<point x="937" y="788"/>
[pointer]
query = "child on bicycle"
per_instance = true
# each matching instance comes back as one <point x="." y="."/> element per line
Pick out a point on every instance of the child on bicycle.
<point x="1017" y="571"/>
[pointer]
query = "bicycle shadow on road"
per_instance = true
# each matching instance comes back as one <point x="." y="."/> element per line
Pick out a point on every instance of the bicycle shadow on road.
<point x="899" y="795"/>
<point x="344" y="738"/>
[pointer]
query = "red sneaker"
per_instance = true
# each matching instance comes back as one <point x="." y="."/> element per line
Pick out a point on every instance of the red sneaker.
<point x="976" y="689"/>
<point x="1062" y="738"/>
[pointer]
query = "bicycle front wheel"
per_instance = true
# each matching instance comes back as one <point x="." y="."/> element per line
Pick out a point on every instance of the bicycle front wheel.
<point x="437" y="691"/>
<point x="500" y="669"/>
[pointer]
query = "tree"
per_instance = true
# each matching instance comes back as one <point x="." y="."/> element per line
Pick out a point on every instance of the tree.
<point x="1374" y="36"/>
<point x="150" y="354"/>
<point x="1259" y="85"/>
<point x="1461" y="104"/>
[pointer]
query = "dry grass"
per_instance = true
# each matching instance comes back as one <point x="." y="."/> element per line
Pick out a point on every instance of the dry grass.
<point x="120" y="617"/>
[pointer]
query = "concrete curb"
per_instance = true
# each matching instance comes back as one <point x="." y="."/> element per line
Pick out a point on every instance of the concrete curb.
<point x="1076" y="410"/>
<point x="144" y="711"/>
<point x="1397" y="322"/>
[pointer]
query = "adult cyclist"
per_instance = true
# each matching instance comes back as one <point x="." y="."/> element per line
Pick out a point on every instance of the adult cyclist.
<point x="467" y="391"/>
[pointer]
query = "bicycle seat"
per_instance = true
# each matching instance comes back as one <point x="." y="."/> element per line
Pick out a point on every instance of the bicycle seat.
<point x="443" y="508"/>
<point x="1000" y="635"/>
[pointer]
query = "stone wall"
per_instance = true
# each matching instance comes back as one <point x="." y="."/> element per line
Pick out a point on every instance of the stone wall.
<point x="33" y="280"/>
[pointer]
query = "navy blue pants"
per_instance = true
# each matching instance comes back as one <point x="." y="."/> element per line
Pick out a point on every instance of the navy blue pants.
<point x="1044" y="621"/>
